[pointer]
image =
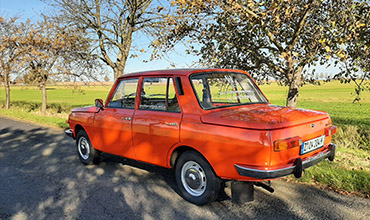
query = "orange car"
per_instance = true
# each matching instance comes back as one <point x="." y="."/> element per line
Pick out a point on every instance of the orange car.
<point x="210" y="125"/>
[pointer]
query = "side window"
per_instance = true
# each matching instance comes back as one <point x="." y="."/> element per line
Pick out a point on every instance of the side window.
<point x="159" y="94"/>
<point x="125" y="94"/>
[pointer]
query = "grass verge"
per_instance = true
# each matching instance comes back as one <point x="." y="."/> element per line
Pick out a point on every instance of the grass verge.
<point x="53" y="120"/>
<point x="349" y="173"/>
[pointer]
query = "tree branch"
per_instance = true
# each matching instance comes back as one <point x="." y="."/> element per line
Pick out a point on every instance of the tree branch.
<point x="299" y="27"/>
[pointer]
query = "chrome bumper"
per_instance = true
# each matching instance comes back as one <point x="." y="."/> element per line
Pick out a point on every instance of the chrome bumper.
<point x="69" y="133"/>
<point x="296" y="169"/>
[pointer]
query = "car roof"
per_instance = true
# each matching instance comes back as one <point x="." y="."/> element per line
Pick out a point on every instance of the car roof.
<point x="178" y="72"/>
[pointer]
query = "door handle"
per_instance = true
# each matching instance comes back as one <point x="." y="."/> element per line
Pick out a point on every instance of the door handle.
<point x="126" y="118"/>
<point x="171" y="123"/>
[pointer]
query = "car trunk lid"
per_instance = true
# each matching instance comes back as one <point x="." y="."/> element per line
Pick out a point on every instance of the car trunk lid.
<point x="262" y="116"/>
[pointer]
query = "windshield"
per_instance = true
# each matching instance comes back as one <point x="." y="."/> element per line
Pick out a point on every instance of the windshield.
<point x="223" y="89"/>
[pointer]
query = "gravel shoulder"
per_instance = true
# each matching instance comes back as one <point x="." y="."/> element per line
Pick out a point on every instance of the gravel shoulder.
<point x="41" y="177"/>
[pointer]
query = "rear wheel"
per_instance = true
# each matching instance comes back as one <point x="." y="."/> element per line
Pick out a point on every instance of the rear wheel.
<point x="86" y="152"/>
<point x="195" y="179"/>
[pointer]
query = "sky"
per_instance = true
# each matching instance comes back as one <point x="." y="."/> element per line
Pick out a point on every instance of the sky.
<point x="25" y="8"/>
<point x="31" y="9"/>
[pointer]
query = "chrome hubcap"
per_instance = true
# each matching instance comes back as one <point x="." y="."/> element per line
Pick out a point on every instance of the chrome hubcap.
<point x="83" y="148"/>
<point x="193" y="178"/>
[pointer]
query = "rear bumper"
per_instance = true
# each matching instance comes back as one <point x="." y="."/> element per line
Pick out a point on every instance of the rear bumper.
<point x="296" y="169"/>
<point x="69" y="133"/>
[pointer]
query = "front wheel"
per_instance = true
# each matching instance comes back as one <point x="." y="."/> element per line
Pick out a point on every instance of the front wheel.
<point x="86" y="152"/>
<point x="195" y="179"/>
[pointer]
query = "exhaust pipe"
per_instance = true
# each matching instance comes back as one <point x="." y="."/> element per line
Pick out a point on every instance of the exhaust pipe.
<point x="265" y="186"/>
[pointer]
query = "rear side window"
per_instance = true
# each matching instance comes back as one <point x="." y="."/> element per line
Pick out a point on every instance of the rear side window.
<point x="158" y="94"/>
<point x="125" y="94"/>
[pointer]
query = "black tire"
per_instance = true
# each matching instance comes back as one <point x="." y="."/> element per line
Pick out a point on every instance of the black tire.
<point x="196" y="181"/>
<point x="85" y="150"/>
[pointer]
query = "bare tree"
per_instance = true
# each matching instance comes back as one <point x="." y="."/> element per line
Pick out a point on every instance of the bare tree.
<point x="9" y="51"/>
<point x="50" y="50"/>
<point x="110" y="24"/>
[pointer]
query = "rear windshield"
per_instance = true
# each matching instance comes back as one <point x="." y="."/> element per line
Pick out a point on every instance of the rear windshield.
<point x="223" y="89"/>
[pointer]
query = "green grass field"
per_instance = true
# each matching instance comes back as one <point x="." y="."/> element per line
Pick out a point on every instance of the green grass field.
<point x="349" y="173"/>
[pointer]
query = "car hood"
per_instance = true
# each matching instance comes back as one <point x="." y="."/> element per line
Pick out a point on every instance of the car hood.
<point x="262" y="116"/>
<point x="87" y="109"/>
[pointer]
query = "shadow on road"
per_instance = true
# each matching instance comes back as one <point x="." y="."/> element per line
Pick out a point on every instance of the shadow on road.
<point x="41" y="177"/>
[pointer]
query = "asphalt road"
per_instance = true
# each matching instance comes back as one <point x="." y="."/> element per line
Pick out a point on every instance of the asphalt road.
<point x="41" y="177"/>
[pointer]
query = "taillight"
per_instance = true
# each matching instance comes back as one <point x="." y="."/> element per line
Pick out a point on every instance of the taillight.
<point x="329" y="131"/>
<point x="284" y="144"/>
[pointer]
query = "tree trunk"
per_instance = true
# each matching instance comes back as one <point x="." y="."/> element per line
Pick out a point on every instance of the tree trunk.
<point x="118" y="70"/>
<point x="120" y="64"/>
<point x="294" y="84"/>
<point x="7" y="89"/>
<point x="121" y="61"/>
<point x="123" y="55"/>
<point x="292" y="95"/>
<point x="44" y="99"/>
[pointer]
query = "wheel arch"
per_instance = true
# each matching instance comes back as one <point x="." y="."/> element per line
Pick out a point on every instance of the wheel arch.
<point x="176" y="153"/>
<point x="179" y="150"/>
<point x="78" y="128"/>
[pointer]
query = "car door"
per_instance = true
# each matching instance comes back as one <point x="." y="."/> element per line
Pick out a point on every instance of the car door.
<point x="156" y="123"/>
<point x="113" y="124"/>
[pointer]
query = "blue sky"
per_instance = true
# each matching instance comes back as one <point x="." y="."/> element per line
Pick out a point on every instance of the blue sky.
<point x="25" y="8"/>
<point x="31" y="9"/>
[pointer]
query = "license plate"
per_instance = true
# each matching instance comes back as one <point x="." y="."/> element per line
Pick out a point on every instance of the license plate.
<point x="313" y="144"/>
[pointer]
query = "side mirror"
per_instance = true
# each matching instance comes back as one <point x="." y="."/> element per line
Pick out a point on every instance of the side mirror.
<point x="99" y="103"/>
